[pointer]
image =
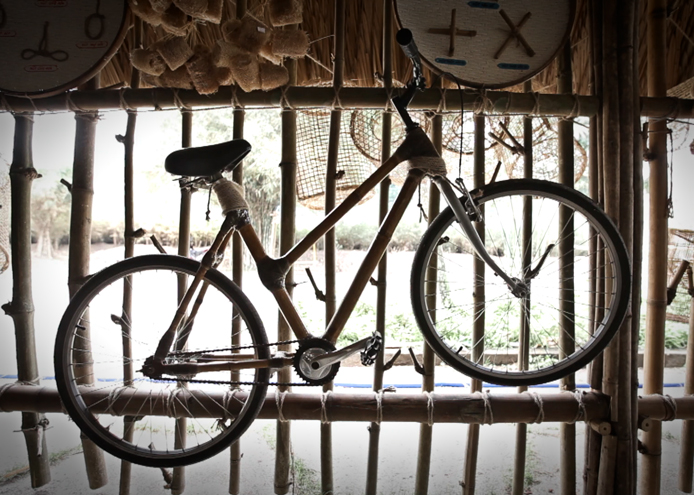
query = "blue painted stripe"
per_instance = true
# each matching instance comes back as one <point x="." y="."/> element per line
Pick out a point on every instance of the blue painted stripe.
<point x="450" y="61"/>
<point x="513" y="66"/>
<point x="484" y="5"/>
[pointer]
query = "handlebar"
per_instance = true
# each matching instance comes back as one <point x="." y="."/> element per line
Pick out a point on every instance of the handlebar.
<point x="406" y="41"/>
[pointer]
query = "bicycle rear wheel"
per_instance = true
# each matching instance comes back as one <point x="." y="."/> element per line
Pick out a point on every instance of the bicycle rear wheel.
<point x="102" y="344"/>
<point x="557" y="241"/>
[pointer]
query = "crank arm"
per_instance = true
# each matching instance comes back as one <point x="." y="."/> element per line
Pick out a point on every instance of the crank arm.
<point x="333" y="357"/>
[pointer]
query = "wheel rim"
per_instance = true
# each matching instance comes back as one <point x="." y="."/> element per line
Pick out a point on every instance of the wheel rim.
<point x="159" y="436"/>
<point x="449" y="319"/>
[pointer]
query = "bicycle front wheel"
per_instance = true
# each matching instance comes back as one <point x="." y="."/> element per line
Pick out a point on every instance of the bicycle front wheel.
<point x="557" y="242"/>
<point x="103" y="342"/>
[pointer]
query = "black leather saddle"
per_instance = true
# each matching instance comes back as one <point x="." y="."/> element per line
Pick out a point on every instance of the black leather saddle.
<point x="206" y="161"/>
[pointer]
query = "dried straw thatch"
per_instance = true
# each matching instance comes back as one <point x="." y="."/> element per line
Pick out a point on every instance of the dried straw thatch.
<point x="363" y="57"/>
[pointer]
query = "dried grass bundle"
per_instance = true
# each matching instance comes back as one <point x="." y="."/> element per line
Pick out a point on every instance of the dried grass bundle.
<point x="143" y="9"/>
<point x="246" y="71"/>
<point x="249" y="34"/>
<point x="272" y="76"/>
<point x="175" y="21"/>
<point x="160" y="5"/>
<point x="224" y="51"/>
<point x="175" y="51"/>
<point x="284" y="12"/>
<point x="194" y="8"/>
<point x="202" y="71"/>
<point x="224" y="76"/>
<point x="148" y="61"/>
<point x="178" y="78"/>
<point x="288" y="43"/>
<point x="213" y="12"/>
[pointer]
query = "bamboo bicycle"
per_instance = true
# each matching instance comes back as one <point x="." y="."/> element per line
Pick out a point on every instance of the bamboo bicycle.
<point x="518" y="282"/>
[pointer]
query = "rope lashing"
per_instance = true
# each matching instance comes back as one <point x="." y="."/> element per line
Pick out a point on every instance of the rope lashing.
<point x="488" y="417"/>
<point x="323" y="409"/>
<point x="279" y="400"/>
<point x="540" y="406"/>
<point x="113" y="396"/>
<point x="379" y="407"/>
<point x="430" y="408"/>
<point x="170" y="402"/>
<point x="581" y="411"/>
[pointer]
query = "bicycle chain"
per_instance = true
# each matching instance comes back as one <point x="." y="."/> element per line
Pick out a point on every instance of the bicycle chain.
<point x="236" y="348"/>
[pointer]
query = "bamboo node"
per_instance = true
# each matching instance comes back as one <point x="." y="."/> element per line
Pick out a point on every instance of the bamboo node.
<point x="279" y="400"/>
<point x="323" y="409"/>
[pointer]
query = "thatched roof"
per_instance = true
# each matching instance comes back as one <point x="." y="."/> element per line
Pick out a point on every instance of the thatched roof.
<point x="363" y="52"/>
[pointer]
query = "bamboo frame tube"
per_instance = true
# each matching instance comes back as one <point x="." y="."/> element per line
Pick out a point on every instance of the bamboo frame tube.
<point x="519" y="458"/>
<point x="608" y="459"/>
<point x="686" y="466"/>
<point x="565" y="138"/>
<point x="470" y="467"/>
<point x="626" y="429"/>
<point x="21" y="308"/>
<point x="287" y="234"/>
<point x="658" y="249"/>
<point x="429" y="358"/>
<point x="237" y="276"/>
<point x="178" y="481"/>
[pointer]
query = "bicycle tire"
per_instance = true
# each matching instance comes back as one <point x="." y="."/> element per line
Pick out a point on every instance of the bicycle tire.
<point x="447" y="319"/>
<point x="147" y="439"/>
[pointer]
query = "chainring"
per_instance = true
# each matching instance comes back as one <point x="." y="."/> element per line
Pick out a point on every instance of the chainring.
<point x="308" y="349"/>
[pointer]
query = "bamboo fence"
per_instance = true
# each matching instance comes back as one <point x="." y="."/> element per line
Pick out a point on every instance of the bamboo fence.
<point x="612" y="410"/>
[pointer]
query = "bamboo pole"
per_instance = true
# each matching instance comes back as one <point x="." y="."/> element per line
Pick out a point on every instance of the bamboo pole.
<point x="287" y="235"/>
<point x="470" y="468"/>
<point x="82" y="194"/>
<point x="658" y="249"/>
<point x="330" y="248"/>
<point x="384" y="190"/>
<point x="21" y="308"/>
<point x="608" y="459"/>
<point x="626" y="429"/>
<point x="519" y="458"/>
<point x="178" y="481"/>
<point x="364" y="406"/>
<point x="429" y="358"/>
<point x="237" y="275"/>
<point x="687" y="442"/>
<point x="311" y="97"/>
<point x="593" y="440"/>
<point x="565" y="137"/>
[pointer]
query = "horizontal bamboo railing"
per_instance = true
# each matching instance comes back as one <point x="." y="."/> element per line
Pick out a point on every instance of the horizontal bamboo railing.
<point x="422" y="408"/>
<point x="489" y="102"/>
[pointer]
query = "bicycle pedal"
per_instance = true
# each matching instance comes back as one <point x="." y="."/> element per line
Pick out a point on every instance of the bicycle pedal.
<point x="371" y="350"/>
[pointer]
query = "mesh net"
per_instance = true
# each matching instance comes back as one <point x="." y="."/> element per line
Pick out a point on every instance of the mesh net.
<point x="680" y="248"/>
<point x="313" y="128"/>
<point x="4" y="217"/>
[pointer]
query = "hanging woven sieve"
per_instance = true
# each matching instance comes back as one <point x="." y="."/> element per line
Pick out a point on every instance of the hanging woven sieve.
<point x="545" y="150"/>
<point x="365" y="128"/>
<point x="313" y="130"/>
<point x="5" y="205"/>
<point x="680" y="248"/>
<point x="453" y="131"/>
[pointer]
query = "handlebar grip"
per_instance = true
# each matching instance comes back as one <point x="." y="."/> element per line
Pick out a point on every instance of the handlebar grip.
<point x="406" y="42"/>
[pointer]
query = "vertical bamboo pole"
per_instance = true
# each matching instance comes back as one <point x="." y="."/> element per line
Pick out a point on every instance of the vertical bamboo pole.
<point x="178" y="481"/>
<point x="82" y="193"/>
<point x="565" y="137"/>
<point x="21" y="308"/>
<point x="287" y="233"/>
<point x="129" y="205"/>
<point x="687" y="449"/>
<point x="637" y="255"/>
<point x="593" y="439"/>
<point x="479" y="298"/>
<point x="429" y="358"/>
<point x="326" y="454"/>
<point x="384" y="189"/>
<point x="626" y="429"/>
<point x="518" y="481"/>
<point x="658" y="249"/>
<point x="237" y="275"/>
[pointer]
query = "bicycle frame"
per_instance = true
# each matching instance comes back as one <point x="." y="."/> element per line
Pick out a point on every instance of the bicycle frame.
<point x="272" y="271"/>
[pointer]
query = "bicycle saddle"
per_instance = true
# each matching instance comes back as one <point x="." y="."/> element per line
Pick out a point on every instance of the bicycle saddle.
<point x="206" y="161"/>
